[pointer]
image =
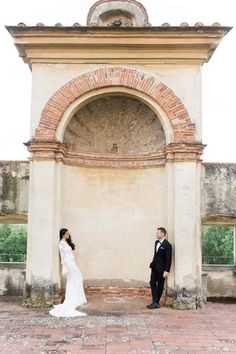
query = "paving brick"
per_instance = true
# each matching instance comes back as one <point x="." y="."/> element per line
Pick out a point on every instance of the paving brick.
<point x="130" y="328"/>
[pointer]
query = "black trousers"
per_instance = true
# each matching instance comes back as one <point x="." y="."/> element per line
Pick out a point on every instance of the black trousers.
<point x="157" y="284"/>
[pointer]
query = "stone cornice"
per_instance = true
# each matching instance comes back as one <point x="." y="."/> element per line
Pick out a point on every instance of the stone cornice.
<point x="163" y="45"/>
<point x="109" y="161"/>
<point x="46" y="150"/>
<point x="56" y="151"/>
<point x="184" y="152"/>
<point x="41" y="151"/>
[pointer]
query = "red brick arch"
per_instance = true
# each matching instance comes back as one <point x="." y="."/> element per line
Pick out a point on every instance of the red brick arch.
<point x="183" y="128"/>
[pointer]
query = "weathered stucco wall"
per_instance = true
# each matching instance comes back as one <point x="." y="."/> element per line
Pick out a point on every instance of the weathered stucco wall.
<point x="118" y="199"/>
<point x="14" y="186"/>
<point x="218" y="193"/>
<point x="221" y="281"/>
<point x="12" y="277"/>
<point x="113" y="215"/>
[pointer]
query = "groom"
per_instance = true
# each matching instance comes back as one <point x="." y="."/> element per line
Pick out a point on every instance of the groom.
<point x="160" y="266"/>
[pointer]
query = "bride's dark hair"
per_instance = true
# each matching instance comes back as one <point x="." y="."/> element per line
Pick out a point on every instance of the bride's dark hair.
<point x="69" y="240"/>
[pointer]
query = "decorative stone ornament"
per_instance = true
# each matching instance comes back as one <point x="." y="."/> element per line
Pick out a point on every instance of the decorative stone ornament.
<point x="117" y="13"/>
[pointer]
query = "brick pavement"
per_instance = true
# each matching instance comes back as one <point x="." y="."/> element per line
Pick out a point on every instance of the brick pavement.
<point x="118" y="325"/>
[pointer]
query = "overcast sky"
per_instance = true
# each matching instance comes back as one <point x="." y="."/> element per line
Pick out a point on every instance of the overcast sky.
<point x="219" y="75"/>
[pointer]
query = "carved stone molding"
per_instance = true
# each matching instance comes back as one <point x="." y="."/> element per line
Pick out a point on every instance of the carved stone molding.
<point x="46" y="150"/>
<point x="184" y="152"/>
<point x="60" y="153"/>
<point x="108" y="161"/>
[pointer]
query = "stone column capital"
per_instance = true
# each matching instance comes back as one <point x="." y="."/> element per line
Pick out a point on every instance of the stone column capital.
<point x="46" y="150"/>
<point x="184" y="152"/>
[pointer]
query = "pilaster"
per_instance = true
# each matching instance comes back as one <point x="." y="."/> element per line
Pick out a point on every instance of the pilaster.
<point x="183" y="171"/>
<point x="42" y="269"/>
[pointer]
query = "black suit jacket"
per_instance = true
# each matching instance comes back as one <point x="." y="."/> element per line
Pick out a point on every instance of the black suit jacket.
<point x="162" y="258"/>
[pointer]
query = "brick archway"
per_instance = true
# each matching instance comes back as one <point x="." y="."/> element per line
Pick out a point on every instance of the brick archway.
<point x="183" y="128"/>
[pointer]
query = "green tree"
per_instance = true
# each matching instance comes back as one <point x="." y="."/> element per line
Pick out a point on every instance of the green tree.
<point x="13" y="243"/>
<point x="218" y="245"/>
<point x="5" y="231"/>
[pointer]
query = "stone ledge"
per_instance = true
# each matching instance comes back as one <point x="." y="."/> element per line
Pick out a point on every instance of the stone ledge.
<point x="12" y="265"/>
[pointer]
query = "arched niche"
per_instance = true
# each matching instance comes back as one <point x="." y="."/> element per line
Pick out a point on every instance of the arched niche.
<point x="117" y="91"/>
<point x="173" y="115"/>
<point x="114" y="124"/>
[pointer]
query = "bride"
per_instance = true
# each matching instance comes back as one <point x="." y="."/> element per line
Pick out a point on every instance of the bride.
<point x="74" y="282"/>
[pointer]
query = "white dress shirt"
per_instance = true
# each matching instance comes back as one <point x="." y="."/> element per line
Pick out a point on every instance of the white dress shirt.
<point x="158" y="244"/>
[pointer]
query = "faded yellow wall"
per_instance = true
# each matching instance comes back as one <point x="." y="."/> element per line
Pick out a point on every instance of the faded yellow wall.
<point x="113" y="215"/>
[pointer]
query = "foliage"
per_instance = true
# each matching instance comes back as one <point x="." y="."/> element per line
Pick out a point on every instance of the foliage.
<point x="218" y="245"/>
<point x="13" y="243"/>
<point x="5" y="231"/>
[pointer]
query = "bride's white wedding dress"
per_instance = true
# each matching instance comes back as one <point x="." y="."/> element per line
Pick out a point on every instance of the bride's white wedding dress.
<point x="74" y="295"/>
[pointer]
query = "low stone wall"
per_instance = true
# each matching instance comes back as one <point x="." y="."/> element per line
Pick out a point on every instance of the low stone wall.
<point x="221" y="282"/>
<point x="218" y="282"/>
<point x="14" y="189"/>
<point x="218" y="193"/>
<point x="12" y="276"/>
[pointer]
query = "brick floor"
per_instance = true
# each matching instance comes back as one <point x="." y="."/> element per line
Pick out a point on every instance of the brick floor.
<point x="118" y="325"/>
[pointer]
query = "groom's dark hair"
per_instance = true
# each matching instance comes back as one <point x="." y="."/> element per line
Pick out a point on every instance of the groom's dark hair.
<point x="162" y="229"/>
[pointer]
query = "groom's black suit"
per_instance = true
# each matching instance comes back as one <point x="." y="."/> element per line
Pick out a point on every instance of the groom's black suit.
<point x="161" y="263"/>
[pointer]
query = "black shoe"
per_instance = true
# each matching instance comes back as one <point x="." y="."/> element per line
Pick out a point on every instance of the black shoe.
<point x="154" y="305"/>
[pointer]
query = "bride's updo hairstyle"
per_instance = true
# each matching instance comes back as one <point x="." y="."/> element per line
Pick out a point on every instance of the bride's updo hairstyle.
<point x="69" y="240"/>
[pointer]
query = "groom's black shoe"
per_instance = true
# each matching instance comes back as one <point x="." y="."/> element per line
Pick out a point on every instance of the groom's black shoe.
<point x="154" y="305"/>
